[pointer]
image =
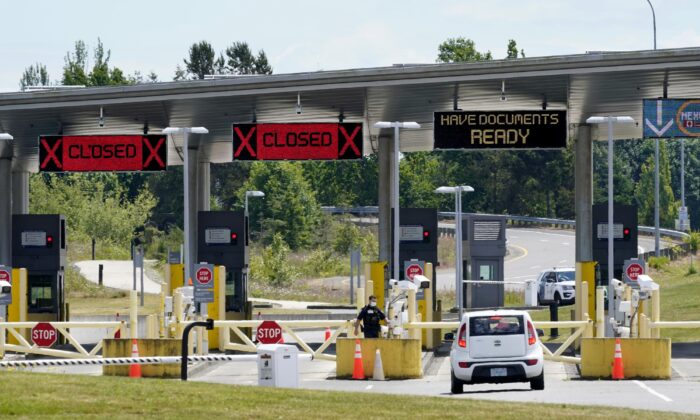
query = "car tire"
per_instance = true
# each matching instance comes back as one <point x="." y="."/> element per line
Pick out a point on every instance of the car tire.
<point x="557" y="299"/>
<point x="537" y="383"/>
<point x="456" y="386"/>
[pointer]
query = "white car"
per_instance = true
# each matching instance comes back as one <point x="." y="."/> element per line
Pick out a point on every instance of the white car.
<point x="557" y="285"/>
<point x="496" y="347"/>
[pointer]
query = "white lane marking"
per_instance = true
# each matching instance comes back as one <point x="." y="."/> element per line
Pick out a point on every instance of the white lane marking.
<point x="535" y="266"/>
<point x="652" y="392"/>
<point x="565" y="243"/>
<point x="539" y="232"/>
<point x="369" y="386"/>
<point x="562" y="261"/>
<point x="544" y="240"/>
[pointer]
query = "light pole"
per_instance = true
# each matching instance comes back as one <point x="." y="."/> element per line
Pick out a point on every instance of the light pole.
<point x="457" y="191"/>
<point x="188" y="254"/>
<point x="611" y="253"/>
<point x="251" y="194"/>
<point x="395" y="193"/>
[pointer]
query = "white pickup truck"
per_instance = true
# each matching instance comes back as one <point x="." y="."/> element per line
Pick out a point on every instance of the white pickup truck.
<point x="557" y="285"/>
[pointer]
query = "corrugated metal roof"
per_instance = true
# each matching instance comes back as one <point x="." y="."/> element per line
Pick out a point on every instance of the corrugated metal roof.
<point x="611" y="83"/>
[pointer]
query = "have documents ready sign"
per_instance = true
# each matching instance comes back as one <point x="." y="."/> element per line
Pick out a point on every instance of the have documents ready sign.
<point x="500" y="129"/>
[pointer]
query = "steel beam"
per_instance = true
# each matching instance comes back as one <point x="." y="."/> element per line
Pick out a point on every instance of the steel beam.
<point x="583" y="173"/>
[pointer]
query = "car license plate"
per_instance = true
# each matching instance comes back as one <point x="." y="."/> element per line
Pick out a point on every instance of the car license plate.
<point x="495" y="372"/>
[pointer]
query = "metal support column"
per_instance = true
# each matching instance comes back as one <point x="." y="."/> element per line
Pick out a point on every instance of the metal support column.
<point x="583" y="173"/>
<point x="20" y="192"/>
<point x="203" y="186"/>
<point x="386" y="157"/>
<point x="6" y="210"/>
<point x="191" y="206"/>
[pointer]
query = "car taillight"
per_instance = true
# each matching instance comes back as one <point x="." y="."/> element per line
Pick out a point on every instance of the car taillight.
<point x="464" y="365"/>
<point x="531" y="362"/>
<point x="462" y="336"/>
<point x="532" y="335"/>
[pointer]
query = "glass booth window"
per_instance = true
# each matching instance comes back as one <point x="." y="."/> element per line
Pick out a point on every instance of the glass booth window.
<point x="40" y="294"/>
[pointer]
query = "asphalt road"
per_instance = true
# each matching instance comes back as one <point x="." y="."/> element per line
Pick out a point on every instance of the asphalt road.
<point x="563" y="385"/>
<point x="532" y="250"/>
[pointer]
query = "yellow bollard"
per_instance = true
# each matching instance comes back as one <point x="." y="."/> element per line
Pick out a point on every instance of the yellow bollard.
<point x="2" y="340"/>
<point x="599" y="312"/>
<point x="412" y="332"/>
<point x="655" y="312"/>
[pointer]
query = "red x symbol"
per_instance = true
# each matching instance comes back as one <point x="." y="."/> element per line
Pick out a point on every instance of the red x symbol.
<point x="245" y="142"/>
<point x="350" y="140"/>
<point x="51" y="154"/>
<point x="154" y="152"/>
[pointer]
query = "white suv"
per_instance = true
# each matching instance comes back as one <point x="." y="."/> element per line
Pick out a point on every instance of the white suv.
<point x="557" y="285"/>
<point x="496" y="347"/>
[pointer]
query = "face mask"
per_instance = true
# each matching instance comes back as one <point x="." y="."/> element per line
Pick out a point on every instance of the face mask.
<point x="373" y="304"/>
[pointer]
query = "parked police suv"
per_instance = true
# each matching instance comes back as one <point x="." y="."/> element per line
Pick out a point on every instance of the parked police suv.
<point x="557" y="285"/>
<point x="496" y="346"/>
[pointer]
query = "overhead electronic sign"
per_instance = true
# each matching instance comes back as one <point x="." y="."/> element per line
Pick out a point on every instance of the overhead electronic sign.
<point x="103" y="153"/>
<point x="297" y="141"/>
<point x="500" y="129"/>
<point x="671" y="118"/>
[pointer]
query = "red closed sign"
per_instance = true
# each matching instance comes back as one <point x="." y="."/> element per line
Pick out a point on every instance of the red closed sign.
<point x="5" y="276"/>
<point x="269" y="332"/>
<point x="44" y="334"/>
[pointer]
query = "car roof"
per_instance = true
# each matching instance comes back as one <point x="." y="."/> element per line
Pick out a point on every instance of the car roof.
<point x="494" y="312"/>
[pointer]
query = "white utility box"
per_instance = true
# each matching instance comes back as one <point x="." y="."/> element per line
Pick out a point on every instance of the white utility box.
<point x="531" y="293"/>
<point x="278" y="365"/>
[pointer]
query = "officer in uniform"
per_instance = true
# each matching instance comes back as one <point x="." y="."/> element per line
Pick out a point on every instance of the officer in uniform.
<point x="370" y="316"/>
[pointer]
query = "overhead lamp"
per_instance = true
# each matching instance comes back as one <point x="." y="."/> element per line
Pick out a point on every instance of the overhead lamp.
<point x="6" y="136"/>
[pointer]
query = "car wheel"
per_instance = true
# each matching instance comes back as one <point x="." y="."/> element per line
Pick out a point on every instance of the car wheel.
<point x="457" y="386"/>
<point x="537" y="383"/>
<point x="557" y="299"/>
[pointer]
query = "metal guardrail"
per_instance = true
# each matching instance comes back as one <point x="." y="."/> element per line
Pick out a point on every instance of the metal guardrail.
<point x="670" y="233"/>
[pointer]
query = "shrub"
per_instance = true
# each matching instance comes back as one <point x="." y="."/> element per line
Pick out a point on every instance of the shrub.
<point x="658" y="263"/>
<point x="693" y="240"/>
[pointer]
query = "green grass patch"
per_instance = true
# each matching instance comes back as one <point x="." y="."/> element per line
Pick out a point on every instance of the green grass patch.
<point x="42" y="395"/>
<point x="679" y="298"/>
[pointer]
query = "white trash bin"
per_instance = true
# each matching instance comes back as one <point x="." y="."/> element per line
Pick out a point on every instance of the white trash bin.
<point x="278" y="365"/>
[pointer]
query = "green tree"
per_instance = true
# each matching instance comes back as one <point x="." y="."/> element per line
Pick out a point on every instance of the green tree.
<point x="460" y="49"/>
<point x="241" y="60"/>
<point x="645" y="191"/>
<point x="290" y="207"/>
<point x="201" y="60"/>
<point x="34" y="75"/>
<point x="76" y="72"/>
<point x="512" y="50"/>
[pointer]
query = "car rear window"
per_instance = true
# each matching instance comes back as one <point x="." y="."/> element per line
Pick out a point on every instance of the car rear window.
<point x="496" y="325"/>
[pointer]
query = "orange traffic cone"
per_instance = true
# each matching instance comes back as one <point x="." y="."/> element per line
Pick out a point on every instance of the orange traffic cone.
<point x="618" y="371"/>
<point x="327" y="334"/>
<point x="135" y="368"/>
<point x="358" y="371"/>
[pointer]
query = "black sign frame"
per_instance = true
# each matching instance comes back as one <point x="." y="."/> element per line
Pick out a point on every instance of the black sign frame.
<point x="500" y="130"/>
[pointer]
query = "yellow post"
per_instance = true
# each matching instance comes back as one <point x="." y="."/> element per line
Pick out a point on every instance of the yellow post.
<point x="161" y="316"/>
<point x="133" y="315"/>
<point x="655" y="312"/>
<point x="217" y="310"/>
<point x="17" y="310"/>
<point x="425" y="308"/>
<point x="377" y="274"/>
<point x="369" y="290"/>
<point x="176" y="276"/>
<point x="599" y="314"/>
<point x="2" y="340"/>
<point x="412" y="333"/>
<point x="585" y="273"/>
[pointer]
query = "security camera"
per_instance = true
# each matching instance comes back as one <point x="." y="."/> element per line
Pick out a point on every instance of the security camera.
<point x="298" y="109"/>
<point x="101" y="122"/>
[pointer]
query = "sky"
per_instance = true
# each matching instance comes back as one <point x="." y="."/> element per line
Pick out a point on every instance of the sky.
<point x="306" y="35"/>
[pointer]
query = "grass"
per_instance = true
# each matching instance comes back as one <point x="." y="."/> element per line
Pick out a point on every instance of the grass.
<point x="680" y="292"/>
<point x="35" y="395"/>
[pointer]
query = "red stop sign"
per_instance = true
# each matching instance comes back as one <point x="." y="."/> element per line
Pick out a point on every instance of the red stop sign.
<point x="5" y="276"/>
<point x="634" y="270"/>
<point x="269" y="332"/>
<point x="44" y="334"/>
<point x="413" y="270"/>
<point x="204" y="275"/>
